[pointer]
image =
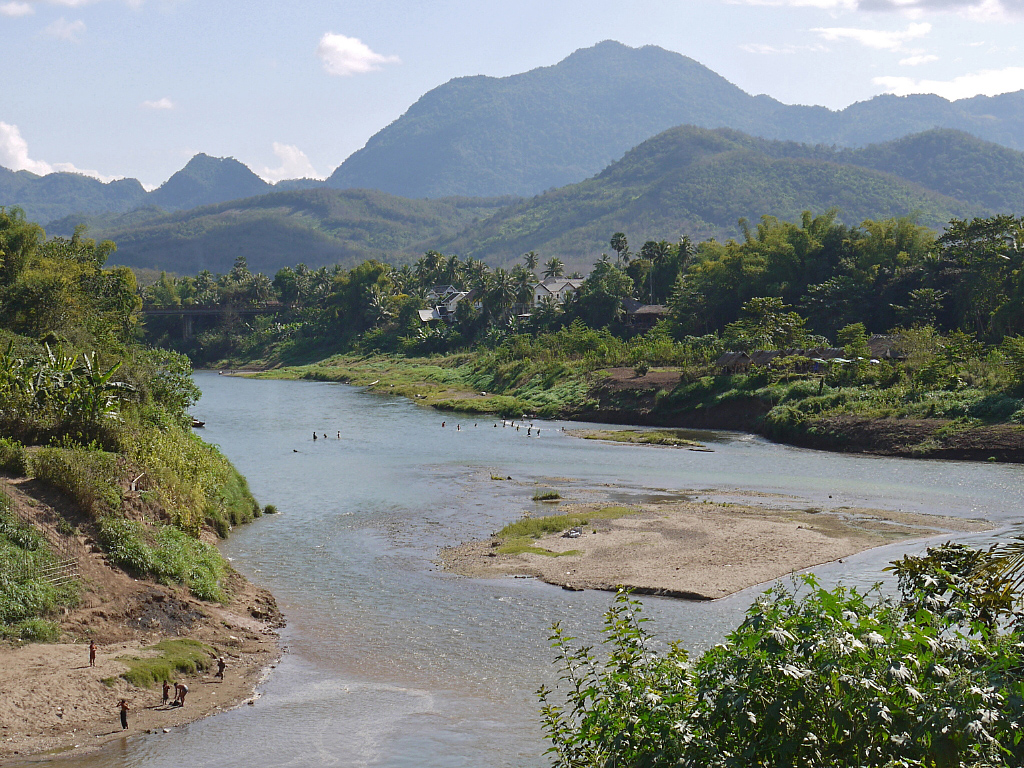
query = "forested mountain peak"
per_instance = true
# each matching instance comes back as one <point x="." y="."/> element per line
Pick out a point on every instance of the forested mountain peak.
<point x="207" y="180"/>
<point x="559" y="124"/>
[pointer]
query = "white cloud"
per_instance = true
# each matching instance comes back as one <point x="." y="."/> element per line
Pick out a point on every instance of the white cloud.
<point x="986" y="10"/>
<point x="15" y="9"/>
<point x="768" y="50"/>
<point x="343" y="56"/>
<point x="294" y="165"/>
<point x="62" y="29"/>
<point x="875" y="38"/>
<point x="14" y="155"/>
<point x="164" y="103"/>
<point x="917" y="60"/>
<point x="989" y="82"/>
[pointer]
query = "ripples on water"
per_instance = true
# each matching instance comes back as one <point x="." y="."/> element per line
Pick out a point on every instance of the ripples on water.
<point x="392" y="662"/>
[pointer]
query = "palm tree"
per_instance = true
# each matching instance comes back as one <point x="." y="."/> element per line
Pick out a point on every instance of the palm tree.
<point x="501" y="295"/>
<point x="554" y="267"/>
<point x="532" y="259"/>
<point x="620" y="245"/>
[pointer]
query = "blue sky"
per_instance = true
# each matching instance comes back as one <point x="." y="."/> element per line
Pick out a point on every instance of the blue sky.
<point x="136" y="87"/>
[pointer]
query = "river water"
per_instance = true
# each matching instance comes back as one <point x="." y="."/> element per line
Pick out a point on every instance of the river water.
<point x="392" y="662"/>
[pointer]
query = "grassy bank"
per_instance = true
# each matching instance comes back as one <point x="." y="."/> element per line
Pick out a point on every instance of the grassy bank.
<point x="875" y="409"/>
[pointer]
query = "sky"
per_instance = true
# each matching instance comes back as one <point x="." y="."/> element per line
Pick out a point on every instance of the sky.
<point x="134" y="88"/>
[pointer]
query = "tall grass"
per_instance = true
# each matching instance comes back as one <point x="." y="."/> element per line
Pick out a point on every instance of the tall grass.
<point x="90" y="477"/>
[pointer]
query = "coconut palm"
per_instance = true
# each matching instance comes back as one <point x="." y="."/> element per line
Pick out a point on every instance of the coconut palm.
<point x="554" y="267"/>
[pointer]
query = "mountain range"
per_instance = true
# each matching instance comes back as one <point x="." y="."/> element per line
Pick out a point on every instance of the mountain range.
<point x="558" y="125"/>
<point x="542" y="129"/>
<point x="686" y="180"/>
<point x="640" y="140"/>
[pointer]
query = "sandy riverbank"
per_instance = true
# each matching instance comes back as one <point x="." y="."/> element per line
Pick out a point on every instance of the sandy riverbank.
<point x="53" y="703"/>
<point x="698" y="549"/>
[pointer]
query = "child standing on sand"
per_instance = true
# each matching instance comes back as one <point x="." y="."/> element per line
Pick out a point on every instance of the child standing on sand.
<point x="92" y="653"/>
<point x="167" y="692"/>
<point x="123" y="704"/>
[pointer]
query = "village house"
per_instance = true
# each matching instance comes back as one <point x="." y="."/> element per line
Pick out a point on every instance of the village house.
<point x="444" y="300"/>
<point x="557" y="288"/>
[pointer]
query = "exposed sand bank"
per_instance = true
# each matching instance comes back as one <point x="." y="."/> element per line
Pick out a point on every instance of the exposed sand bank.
<point x="698" y="549"/>
<point x="52" y="702"/>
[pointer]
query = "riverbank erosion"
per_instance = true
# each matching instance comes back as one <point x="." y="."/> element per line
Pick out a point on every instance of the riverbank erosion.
<point x="55" y="703"/>
<point x="693" y="548"/>
<point x="801" y="412"/>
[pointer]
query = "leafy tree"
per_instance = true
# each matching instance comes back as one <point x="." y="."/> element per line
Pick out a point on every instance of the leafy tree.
<point x="766" y="324"/>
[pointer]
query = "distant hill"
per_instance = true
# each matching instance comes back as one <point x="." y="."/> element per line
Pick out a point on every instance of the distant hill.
<point x="58" y="194"/>
<point x="686" y="180"/>
<point x="207" y="180"/>
<point x="204" y="180"/>
<point x="558" y="125"/>
<point x="700" y="182"/>
<point x="316" y="226"/>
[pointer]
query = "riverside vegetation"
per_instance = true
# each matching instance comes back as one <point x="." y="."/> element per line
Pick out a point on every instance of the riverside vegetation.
<point x="952" y="307"/>
<point x="88" y="410"/>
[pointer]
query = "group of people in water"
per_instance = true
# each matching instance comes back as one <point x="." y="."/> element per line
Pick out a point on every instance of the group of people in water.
<point x="531" y="429"/>
<point x="180" y="689"/>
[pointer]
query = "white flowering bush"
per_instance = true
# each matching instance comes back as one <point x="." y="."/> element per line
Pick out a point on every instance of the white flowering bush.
<point x="811" y="678"/>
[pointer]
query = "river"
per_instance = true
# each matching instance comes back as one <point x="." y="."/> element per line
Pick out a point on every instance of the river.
<point x="392" y="662"/>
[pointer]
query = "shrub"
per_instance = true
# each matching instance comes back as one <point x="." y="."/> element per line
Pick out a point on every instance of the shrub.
<point x="13" y="457"/>
<point x="812" y="678"/>
<point x="167" y="554"/>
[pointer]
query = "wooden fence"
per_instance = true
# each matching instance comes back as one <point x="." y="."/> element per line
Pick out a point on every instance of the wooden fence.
<point x="64" y="566"/>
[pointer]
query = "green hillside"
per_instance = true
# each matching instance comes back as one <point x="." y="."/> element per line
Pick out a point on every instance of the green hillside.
<point x="684" y="181"/>
<point x="318" y="227"/>
<point x="700" y="183"/>
<point x="207" y="180"/>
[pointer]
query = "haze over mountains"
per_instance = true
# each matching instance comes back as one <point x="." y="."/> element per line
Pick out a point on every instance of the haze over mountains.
<point x="686" y="180"/>
<point x="558" y="125"/>
<point x="483" y="140"/>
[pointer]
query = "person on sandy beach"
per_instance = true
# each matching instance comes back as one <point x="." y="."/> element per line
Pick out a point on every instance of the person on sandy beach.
<point x="220" y="667"/>
<point x="167" y="692"/>
<point x="92" y="653"/>
<point x="123" y="704"/>
<point x="180" y="692"/>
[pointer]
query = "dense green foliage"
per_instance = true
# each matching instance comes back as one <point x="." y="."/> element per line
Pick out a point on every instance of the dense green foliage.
<point x="812" y="678"/>
<point x="88" y="410"/>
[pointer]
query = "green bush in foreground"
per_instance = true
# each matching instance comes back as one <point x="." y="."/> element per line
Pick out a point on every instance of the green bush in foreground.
<point x="812" y="678"/>
<point x="167" y="554"/>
